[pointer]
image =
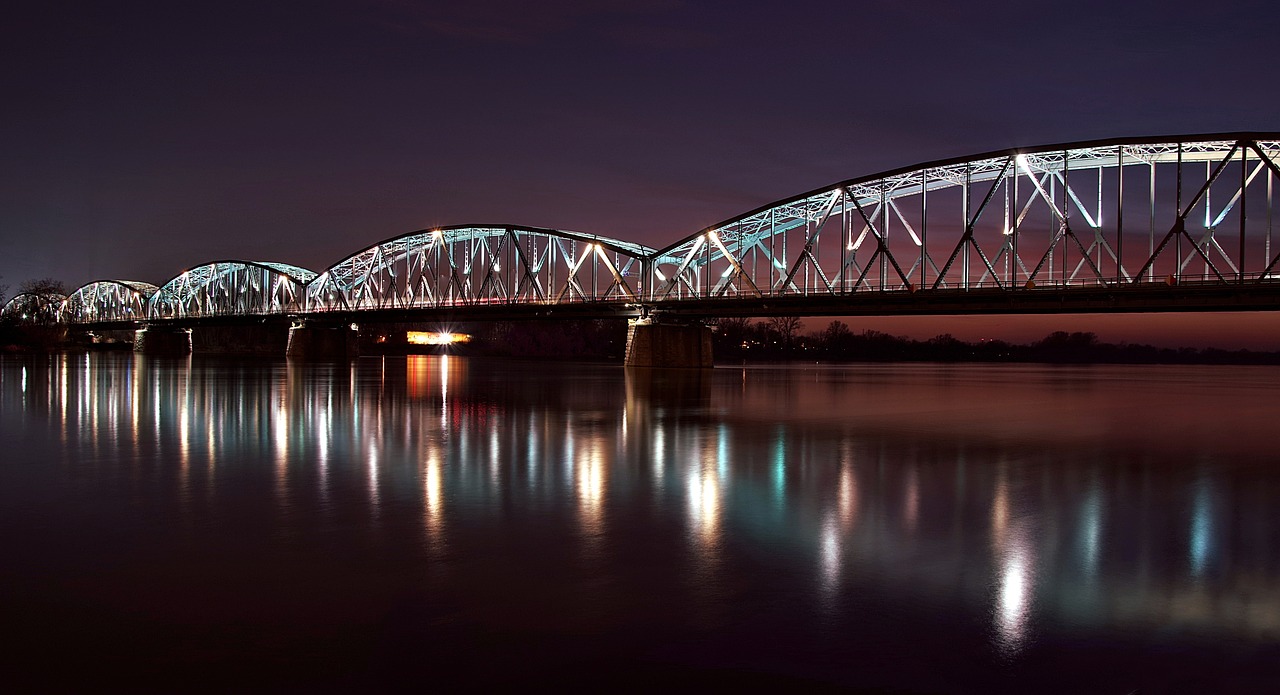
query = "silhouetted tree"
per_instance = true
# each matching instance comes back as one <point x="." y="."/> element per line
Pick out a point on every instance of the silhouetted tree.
<point x="835" y="332"/>
<point x="732" y="336"/>
<point x="785" y="328"/>
<point x="43" y="286"/>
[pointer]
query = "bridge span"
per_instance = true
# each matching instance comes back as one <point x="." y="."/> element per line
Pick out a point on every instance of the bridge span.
<point x="1124" y="225"/>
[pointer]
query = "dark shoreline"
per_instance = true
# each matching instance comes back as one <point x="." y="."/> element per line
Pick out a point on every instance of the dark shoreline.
<point x="734" y="342"/>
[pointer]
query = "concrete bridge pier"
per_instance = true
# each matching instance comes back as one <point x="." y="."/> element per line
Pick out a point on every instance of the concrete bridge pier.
<point x="651" y="343"/>
<point x="314" y="340"/>
<point x="162" y="340"/>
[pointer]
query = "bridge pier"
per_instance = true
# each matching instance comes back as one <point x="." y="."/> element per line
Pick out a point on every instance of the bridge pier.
<point x="162" y="340"/>
<point x="654" y="344"/>
<point x="322" y="341"/>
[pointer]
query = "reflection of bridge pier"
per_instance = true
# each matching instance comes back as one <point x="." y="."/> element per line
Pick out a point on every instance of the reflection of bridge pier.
<point x="664" y="389"/>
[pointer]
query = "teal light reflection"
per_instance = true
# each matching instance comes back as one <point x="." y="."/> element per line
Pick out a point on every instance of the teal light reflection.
<point x="1201" y="545"/>
<point x="780" y="466"/>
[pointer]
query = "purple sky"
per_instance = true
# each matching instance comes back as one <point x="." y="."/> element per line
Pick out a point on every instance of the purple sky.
<point x="140" y="139"/>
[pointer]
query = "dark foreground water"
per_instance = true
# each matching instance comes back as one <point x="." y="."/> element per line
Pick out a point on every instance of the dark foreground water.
<point x="202" y="524"/>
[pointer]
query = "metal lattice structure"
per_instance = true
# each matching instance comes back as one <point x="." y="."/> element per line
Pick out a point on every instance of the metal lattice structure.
<point x="1088" y="221"/>
<point x="481" y="265"/>
<point x="231" y="288"/>
<point x="108" y="301"/>
<point x="1188" y="210"/>
<point x="33" y="308"/>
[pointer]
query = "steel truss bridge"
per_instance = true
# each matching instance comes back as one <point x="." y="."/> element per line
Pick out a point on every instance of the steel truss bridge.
<point x="1142" y="224"/>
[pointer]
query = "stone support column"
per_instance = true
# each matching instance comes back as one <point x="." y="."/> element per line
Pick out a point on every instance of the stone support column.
<point x="162" y="340"/>
<point x="321" y="341"/>
<point x="654" y="344"/>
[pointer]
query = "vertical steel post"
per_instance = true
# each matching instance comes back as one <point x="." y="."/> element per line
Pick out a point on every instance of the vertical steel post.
<point x="1004" y="229"/>
<point x="1208" y="210"/>
<point x="782" y="272"/>
<point x="1053" y="204"/>
<point x="1151" y="240"/>
<point x="964" y="235"/>
<point x="1244" y="197"/>
<point x="846" y="238"/>
<point x="706" y="282"/>
<point x="1013" y="245"/>
<point x="1098" y="219"/>
<point x="810" y="230"/>
<point x="773" y="257"/>
<point x="1181" y="221"/>
<point x="924" y="225"/>
<point x="1119" y="213"/>
<point x="1066" y="211"/>
<point x="884" y="238"/>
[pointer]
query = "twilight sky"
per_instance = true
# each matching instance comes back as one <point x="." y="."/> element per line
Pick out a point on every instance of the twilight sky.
<point x="141" y="138"/>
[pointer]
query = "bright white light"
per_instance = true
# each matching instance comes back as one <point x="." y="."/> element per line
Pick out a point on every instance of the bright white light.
<point x="1013" y="592"/>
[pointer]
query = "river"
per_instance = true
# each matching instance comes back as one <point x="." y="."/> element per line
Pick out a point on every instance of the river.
<point x="221" y="524"/>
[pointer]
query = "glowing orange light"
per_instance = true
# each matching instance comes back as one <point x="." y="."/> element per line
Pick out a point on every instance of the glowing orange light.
<point x="433" y="338"/>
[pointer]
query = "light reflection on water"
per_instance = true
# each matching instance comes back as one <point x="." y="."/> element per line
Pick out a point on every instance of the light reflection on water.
<point x="1049" y="504"/>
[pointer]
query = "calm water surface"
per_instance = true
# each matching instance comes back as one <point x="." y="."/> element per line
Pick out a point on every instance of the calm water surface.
<point x="192" y="524"/>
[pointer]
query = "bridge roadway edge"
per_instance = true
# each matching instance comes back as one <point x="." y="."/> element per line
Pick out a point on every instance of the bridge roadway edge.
<point x="1153" y="297"/>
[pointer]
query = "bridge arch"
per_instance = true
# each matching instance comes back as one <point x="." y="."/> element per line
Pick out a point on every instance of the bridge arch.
<point x="34" y="308"/>
<point x="108" y="300"/>
<point x="471" y="265"/>
<point x="1103" y="213"/>
<point x="231" y="288"/>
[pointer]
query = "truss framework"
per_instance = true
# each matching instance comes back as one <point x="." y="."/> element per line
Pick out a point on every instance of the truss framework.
<point x="479" y="265"/>
<point x="33" y="308"/>
<point x="228" y="288"/>
<point x="1106" y="213"/>
<point x="108" y="300"/>
<point x="1100" y="214"/>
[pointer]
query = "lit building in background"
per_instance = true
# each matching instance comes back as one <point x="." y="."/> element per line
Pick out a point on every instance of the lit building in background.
<point x="432" y="338"/>
<point x="436" y="338"/>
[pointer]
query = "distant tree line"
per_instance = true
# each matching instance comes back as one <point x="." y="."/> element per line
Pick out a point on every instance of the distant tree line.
<point x="780" y="338"/>
<point x="604" y="339"/>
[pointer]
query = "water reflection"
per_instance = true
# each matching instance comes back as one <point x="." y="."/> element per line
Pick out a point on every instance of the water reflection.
<point x="1000" y="514"/>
